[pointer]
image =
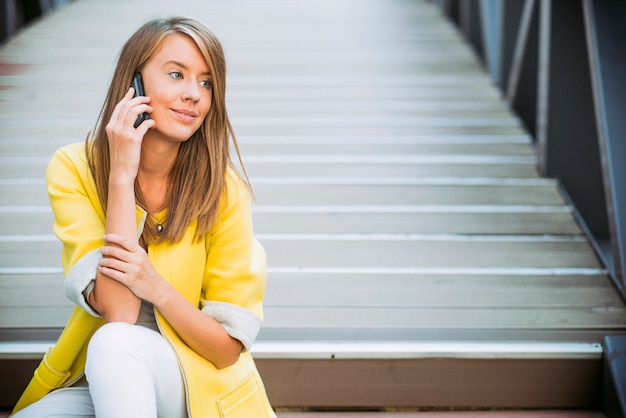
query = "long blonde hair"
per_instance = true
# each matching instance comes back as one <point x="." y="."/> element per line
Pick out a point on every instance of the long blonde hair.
<point x="198" y="176"/>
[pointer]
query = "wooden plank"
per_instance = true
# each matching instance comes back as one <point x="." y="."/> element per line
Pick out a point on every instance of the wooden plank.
<point x="315" y="147"/>
<point x="432" y="383"/>
<point x="333" y="194"/>
<point x="363" y="194"/>
<point x="359" y="250"/>
<point x="401" y="318"/>
<point x="406" y="383"/>
<point x="426" y="252"/>
<point x="41" y="316"/>
<point x="430" y="291"/>
<point x="384" y="148"/>
<point x="21" y="194"/>
<point x="522" y="138"/>
<point x="342" y="219"/>
<point x="309" y="337"/>
<point x="23" y="167"/>
<point x="14" y="377"/>
<point x="42" y="128"/>
<point x="312" y="121"/>
<point x="454" y="108"/>
<point x="491" y="169"/>
<point x="453" y="299"/>
<point x="51" y="282"/>
<point x="460" y="109"/>
<point x="416" y="93"/>
<point x="375" y="334"/>
<point x="33" y="300"/>
<point x="16" y="220"/>
<point x="77" y="129"/>
<point x="32" y="167"/>
<point x="374" y="300"/>
<point x="30" y="252"/>
<point x="381" y="290"/>
<point x="356" y="129"/>
<point x="35" y="146"/>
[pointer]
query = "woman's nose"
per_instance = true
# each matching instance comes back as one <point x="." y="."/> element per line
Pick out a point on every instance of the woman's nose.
<point x="191" y="91"/>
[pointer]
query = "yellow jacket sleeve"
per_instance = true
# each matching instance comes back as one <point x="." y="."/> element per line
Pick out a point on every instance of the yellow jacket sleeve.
<point x="79" y="218"/>
<point x="236" y="270"/>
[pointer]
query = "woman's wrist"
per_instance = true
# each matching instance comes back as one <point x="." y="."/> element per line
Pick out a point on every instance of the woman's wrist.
<point x="163" y="295"/>
<point x="120" y="180"/>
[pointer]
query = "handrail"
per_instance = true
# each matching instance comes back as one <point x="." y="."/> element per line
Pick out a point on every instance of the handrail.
<point x="560" y="69"/>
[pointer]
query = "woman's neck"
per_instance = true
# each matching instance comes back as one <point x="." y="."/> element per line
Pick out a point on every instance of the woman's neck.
<point x="153" y="175"/>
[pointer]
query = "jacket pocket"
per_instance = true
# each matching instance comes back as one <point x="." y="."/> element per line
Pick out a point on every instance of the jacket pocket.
<point x="244" y="401"/>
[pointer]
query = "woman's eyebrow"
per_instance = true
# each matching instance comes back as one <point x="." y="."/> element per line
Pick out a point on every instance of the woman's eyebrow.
<point x="184" y="67"/>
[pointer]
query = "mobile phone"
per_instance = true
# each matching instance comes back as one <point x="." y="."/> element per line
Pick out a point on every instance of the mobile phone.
<point x="137" y="84"/>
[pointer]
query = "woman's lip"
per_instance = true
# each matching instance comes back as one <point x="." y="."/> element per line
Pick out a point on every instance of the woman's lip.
<point x="186" y="113"/>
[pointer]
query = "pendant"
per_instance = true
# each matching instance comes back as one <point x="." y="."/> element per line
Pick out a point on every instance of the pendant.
<point x="159" y="229"/>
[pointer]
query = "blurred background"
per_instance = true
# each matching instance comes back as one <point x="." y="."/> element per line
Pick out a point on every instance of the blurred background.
<point x="19" y="13"/>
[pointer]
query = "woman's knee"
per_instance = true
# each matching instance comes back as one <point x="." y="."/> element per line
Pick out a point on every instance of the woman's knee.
<point x="112" y="346"/>
<point x="110" y="339"/>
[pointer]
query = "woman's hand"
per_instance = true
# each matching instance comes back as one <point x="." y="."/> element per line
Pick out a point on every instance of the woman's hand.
<point x="128" y="263"/>
<point x="124" y="139"/>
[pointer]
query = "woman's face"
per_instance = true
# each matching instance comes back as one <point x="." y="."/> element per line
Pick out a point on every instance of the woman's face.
<point x="178" y="81"/>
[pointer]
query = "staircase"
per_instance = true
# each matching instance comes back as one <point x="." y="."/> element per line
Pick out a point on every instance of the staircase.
<point x="416" y="259"/>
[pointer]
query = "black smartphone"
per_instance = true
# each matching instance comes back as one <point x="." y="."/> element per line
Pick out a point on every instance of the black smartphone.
<point x="137" y="84"/>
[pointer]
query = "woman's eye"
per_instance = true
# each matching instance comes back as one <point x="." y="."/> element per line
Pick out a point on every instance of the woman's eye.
<point x="207" y="84"/>
<point x="176" y="75"/>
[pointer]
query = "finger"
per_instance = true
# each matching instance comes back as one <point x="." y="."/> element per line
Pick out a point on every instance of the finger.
<point x="135" y="111"/>
<point x="117" y="109"/>
<point x="129" y="245"/>
<point x="145" y="126"/>
<point x="111" y="263"/>
<point x="119" y="240"/>
<point x="142" y="108"/>
<point x="114" y="264"/>
<point x="137" y="101"/>
<point x="113" y="274"/>
<point x="111" y="251"/>
<point x="126" y="103"/>
<point x="113" y="238"/>
<point x="117" y="115"/>
<point x="132" y="108"/>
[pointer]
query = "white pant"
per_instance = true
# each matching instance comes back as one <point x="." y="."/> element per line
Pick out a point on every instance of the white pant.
<point x="132" y="372"/>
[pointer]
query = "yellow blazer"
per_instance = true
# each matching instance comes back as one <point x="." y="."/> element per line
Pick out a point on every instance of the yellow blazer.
<point x="227" y="270"/>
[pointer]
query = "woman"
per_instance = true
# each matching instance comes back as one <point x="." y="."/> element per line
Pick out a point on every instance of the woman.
<point x="158" y="247"/>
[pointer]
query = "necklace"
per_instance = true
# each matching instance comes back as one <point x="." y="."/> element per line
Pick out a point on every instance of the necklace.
<point x="159" y="229"/>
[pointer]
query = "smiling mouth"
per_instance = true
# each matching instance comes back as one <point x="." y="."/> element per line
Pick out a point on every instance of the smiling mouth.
<point x="185" y="113"/>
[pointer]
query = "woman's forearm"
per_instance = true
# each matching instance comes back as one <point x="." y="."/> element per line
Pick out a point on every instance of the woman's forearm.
<point x="113" y="300"/>
<point x="202" y="333"/>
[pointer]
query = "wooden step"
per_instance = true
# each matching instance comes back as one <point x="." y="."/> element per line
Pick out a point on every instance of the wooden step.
<point x="497" y="220"/>
<point x="306" y="191"/>
<point x="414" y="375"/>
<point x="369" y="251"/>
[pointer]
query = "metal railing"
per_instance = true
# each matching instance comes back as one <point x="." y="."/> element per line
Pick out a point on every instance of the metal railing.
<point x="561" y="68"/>
<point x="17" y="13"/>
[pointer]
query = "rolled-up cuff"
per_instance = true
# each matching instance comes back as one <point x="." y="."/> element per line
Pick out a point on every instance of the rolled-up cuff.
<point x="79" y="277"/>
<point x="239" y="323"/>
